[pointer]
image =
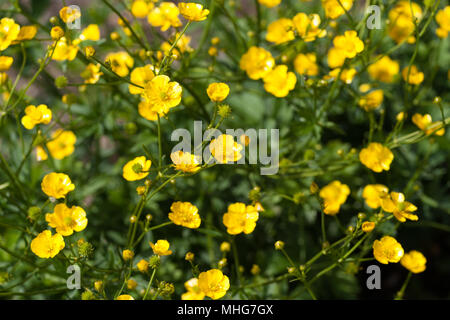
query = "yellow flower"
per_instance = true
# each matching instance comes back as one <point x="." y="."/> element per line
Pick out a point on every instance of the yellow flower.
<point x="280" y="31"/>
<point x="124" y="297"/>
<point x="57" y="185"/>
<point x="368" y="226"/>
<point x="5" y="63"/>
<point x="35" y="115"/>
<point x="387" y="250"/>
<point x="349" y="44"/>
<point x="162" y="94"/>
<point x="401" y="21"/>
<point x="376" y="157"/>
<point x="396" y="204"/>
<point x="9" y="30"/>
<point x="127" y="254"/>
<point x="414" y="77"/>
<point x="334" y="195"/>
<point x="335" y="58"/>
<point x="142" y="266"/>
<point x="120" y="62"/>
<point x="371" y="101"/>
<point x="347" y="75"/>
<point x="91" y="32"/>
<point x="255" y="269"/>
<point x="384" y="70"/>
<point x="308" y="26"/>
<point x="443" y="19"/>
<point x="69" y="14"/>
<point x="164" y="16"/>
<point x="67" y="220"/>
<point x="334" y="10"/>
<point x="306" y="64"/>
<point x="414" y="261"/>
<point x="225" y="246"/>
<point x="269" y="3"/>
<point x="240" y="218"/>
<point x="56" y="32"/>
<point x="140" y="8"/>
<point x="425" y="123"/>
<point x="91" y="73"/>
<point x="185" y="214"/>
<point x="185" y="161"/>
<point x="26" y="33"/>
<point x="213" y="52"/>
<point x="140" y="76"/>
<point x="147" y="111"/>
<point x="213" y="283"/>
<point x="189" y="256"/>
<point x="131" y="284"/>
<point x="193" y="11"/>
<point x="224" y="149"/>
<point x="64" y="50"/>
<point x="218" y="91"/>
<point x="62" y="144"/>
<point x="46" y="245"/>
<point x="136" y="169"/>
<point x="257" y="62"/>
<point x="41" y="155"/>
<point x="193" y="291"/>
<point x="279" y="81"/>
<point x="161" y="248"/>
<point x="374" y="194"/>
<point x="279" y="245"/>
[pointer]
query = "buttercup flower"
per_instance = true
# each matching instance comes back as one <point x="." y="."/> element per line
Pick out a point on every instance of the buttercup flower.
<point x="140" y="76"/>
<point x="414" y="261"/>
<point x="164" y="16"/>
<point x="279" y="81"/>
<point x="257" y="62"/>
<point x="136" y="169"/>
<point x="279" y="245"/>
<point x="425" y="123"/>
<point x="335" y="58"/>
<point x="387" y="250"/>
<point x="161" y="248"/>
<point x="213" y="283"/>
<point x="41" y="155"/>
<point x="64" y="50"/>
<point x="67" y="220"/>
<point x="396" y="204"/>
<point x="140" y="8"/>
<point x="218" y="91"/>
<point x="5" y="63"/>
<point x="36" y="115"/>
<point x="92" y="73"/>
<point x="46" y="245"/>
<point x="56" y="32"/>
<point x="334" y="195"/>
<point x="307" y="27"/>
<point x="334" y="10"/>
<point x="443" y="20"/>
<point x="147" y="111"/>
<point x="120" y="62"/>
<point x="9" y="30"/>
<point x="127" y="254"/>
<point x="62" y="144"/>
<point x="26" y="33"/>
<point x="414" y="76"/>
<point x="384" y="69"/>
<point x="69" y="14"/>
<point x="240" y="218"/>
<point x="224" y="149"/>
<point x="371" y="101"/>
<point x="193" y="11"/>
<point x="374" y="194"/>
<point x="143" y="265"/>
<point x="401" y="21"/>
<point x="193" y="290"/>
<point x="305" y="64"/>
<point x="376" y="157"/>
<point x="347" y="75"/>
<point x="280" y="31"/>
<point x="368" y="226"/>
<point x="124" y="297"/>
<point x="57" y="185"/>
<point x="91" y="32"/>
<point x="185" y="214"/>
<point x="185" y="161"/>
<point x="225" y="246"/>
<point x="269" y="3"/>
<point x="162" y="94"/>
<point x="349" y="44"/>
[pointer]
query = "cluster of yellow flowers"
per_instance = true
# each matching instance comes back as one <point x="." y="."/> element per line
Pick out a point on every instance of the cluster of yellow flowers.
<point x="63" y="219"/>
